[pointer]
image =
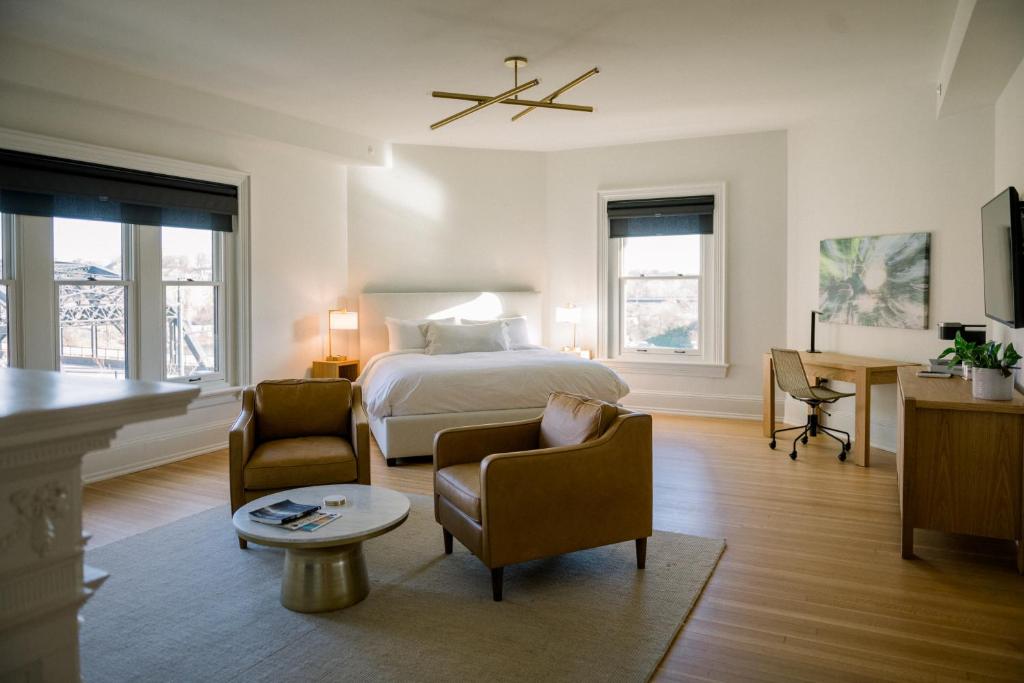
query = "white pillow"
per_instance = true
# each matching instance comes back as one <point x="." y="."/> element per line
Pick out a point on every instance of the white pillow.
<point x="408" y="334"/>
<point x="517" y="334"/>
<point x="444" y="338"/>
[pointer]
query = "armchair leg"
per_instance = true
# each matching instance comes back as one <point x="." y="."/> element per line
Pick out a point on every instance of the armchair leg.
<point x="242" y="543"/>
<point x="497" y="579"/>
<point x="447" y="541"/>
<point x="641" y="553"/>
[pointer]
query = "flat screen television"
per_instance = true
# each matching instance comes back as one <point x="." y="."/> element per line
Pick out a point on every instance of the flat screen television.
<point x="1002" y="245"/>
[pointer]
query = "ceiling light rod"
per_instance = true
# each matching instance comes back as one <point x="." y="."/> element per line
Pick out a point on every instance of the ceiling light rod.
<point x="552" y="96"/>
<point x="517" y="102"/>
<point x="486" y="103"/>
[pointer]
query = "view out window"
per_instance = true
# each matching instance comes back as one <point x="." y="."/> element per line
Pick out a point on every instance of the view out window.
<point x="192" y="294"/>
<point x="89" y="271"/>
<point x="6" y="289"/>
<point x="660" y="283"/>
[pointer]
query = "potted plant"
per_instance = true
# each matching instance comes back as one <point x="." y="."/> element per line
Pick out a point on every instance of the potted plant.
<point x="990" y="370"/>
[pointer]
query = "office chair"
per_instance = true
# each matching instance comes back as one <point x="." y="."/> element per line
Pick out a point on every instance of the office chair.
<point x="792" y="378"/>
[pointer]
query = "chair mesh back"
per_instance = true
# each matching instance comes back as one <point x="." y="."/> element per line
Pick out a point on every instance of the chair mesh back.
<point x="789" y="371"/>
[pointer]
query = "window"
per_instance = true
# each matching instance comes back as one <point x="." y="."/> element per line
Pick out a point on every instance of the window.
<point x="89" y="270"/>
<point x="659" y="290"/>
<point x="662" y="280"/>
<point x="193" y="290"/>
<point x="6" y="290"/>
<point x="120" y="273"/>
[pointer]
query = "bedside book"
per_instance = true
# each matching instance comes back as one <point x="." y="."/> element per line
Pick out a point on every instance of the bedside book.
<point x="282" y="513"/>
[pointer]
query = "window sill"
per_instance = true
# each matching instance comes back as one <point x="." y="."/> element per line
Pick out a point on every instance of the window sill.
<point x="666" y="367"/>
<point x="216" y="394"/>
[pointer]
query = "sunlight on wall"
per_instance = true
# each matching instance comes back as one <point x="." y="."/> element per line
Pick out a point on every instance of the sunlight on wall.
<point x="408" y="188"/>
<point x="487" y="306"/>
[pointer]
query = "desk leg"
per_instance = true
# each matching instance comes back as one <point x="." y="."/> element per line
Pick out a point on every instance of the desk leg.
<point x="1020" y="556"/>
<point x="767" y="396"/>
<point x="862" y="433"/>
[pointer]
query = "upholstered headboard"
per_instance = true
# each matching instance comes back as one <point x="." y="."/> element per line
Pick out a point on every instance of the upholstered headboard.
<point x="373" y="308"/>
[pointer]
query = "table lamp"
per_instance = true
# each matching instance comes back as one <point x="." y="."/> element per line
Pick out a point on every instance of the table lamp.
<point x="339" y="319"/>
<point x="569" y="314"/>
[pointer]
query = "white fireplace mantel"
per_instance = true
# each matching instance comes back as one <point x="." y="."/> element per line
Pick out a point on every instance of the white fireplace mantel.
<point x="48" y="421"/>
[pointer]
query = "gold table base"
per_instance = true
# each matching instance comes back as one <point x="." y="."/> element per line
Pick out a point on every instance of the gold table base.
<point x="324" y="579"/>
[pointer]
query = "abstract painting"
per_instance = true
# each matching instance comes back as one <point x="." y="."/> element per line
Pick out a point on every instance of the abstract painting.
<point x="878" y="281"/>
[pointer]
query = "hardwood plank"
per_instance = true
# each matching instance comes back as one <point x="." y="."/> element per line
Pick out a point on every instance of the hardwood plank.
<point x="811" y="586"/>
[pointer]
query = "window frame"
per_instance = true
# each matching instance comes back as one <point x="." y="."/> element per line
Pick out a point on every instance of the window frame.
<point x="9" y="280"/>
<point x="36" y="293"/>
<point x="126" y="281"/>
<point x="221" y="282"/>
<point x="710" y="360"/>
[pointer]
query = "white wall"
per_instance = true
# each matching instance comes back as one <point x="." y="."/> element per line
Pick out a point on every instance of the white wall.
<point x="299" y="255"/>
<point x="753" y="166"/>
<point x="447" y="219"/>
<point x="1009" y="170"/>
<point x="899" y="170"/>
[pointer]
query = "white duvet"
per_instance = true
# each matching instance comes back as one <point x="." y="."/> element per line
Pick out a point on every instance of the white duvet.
<point x="412" y="383"/>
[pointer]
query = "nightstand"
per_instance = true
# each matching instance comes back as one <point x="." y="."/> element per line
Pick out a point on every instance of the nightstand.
<point x="345" y="369"/>
<point x="585" y="354"/>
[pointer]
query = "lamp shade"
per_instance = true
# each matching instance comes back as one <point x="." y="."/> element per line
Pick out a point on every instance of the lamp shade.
<point x="343" y="320"/>
<point x="567" y="314"/>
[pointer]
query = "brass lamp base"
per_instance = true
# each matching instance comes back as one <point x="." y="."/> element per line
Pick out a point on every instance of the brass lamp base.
<point x="335" y="358"/>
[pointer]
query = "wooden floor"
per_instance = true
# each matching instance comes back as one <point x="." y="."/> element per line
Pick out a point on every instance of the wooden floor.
<point x="811" y="586"/>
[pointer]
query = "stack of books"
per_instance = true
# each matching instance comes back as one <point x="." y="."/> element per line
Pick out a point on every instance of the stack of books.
<point x="295" y="516"/>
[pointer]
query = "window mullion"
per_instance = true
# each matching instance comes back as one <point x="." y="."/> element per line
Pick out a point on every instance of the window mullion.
<point x="149" y="302"/>
<point x="37" y="325"/>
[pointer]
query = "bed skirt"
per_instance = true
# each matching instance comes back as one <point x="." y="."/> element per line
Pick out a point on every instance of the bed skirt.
<point x="413" y="435"/>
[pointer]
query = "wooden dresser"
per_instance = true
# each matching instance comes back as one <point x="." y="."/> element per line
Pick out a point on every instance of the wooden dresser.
<point x="960" y="461"/>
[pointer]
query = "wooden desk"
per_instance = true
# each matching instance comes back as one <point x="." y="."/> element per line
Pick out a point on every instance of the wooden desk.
<point x="959" y="461"/>
<point x="861" y="371"/>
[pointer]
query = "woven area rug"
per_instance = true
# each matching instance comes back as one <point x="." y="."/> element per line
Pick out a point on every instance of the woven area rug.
<point x="184" y="603"/>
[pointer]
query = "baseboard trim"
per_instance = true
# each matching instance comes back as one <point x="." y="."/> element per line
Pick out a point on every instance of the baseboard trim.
<point x="129" y="455"/>
<point x="738" y="407"/>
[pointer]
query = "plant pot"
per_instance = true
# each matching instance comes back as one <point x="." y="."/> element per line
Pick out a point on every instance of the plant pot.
<point x="990" y="385"/>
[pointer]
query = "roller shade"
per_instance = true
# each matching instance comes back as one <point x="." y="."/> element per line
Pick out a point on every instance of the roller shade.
<point x="36" y="185"/>
<point x="665" y="216"/>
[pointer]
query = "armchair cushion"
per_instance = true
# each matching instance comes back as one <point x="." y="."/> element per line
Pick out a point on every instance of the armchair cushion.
<point x="460" y="485"/>
<point x="290" y="408"/>
<point x="302" y="461"/>
<point x="570" y="420"/>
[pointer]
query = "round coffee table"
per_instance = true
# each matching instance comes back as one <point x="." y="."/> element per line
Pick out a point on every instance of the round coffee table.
<point x="324" y="569"/>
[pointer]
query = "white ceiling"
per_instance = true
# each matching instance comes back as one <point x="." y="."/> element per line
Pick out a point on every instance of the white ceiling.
<point x="669" y="68"/>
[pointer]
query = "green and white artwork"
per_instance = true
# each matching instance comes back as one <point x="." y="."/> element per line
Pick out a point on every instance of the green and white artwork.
<point x="877" y="281"/>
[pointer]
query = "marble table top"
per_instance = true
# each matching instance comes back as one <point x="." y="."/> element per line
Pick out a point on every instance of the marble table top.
<point x="368" y="511"/>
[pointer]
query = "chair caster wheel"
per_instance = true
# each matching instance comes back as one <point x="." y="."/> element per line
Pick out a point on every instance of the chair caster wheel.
<point x="842" y="456"/>
<point x="803" y="440"/>
<point x="847" y="446"/>
<point x="792" y="456"/>
<point x="772" y="444"/>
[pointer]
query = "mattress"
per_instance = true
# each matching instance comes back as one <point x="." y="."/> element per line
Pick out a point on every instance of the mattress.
<point x="401" y="383"/>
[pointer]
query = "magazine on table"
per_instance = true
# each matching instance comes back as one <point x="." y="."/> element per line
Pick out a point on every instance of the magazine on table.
<point x="281" y="513"/>
<point x="313" y="521"/>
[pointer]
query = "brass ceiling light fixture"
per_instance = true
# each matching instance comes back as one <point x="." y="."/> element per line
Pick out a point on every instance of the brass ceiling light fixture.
<point x="511" y="96"/>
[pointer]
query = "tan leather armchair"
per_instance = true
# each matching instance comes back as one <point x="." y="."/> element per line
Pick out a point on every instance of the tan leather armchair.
<point x="509" y="499"/>
<point x="297" y="432"/>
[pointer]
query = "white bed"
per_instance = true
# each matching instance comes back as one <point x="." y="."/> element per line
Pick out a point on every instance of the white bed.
<point x="410" y="396"/>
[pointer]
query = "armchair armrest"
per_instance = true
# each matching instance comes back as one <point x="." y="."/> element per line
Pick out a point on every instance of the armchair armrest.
<point x="458" y="445"/>
<point x="241" y="444"/>
<point x="360" y="431"/>
<point x="556" y="500"/>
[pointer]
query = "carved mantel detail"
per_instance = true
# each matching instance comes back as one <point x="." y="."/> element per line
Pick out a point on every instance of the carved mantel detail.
<point x="37" y="513"/>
